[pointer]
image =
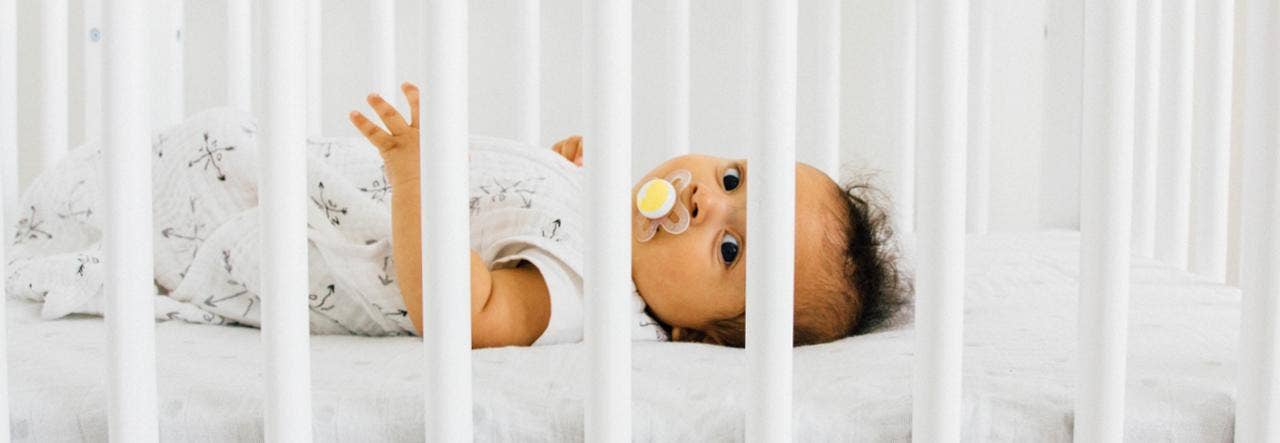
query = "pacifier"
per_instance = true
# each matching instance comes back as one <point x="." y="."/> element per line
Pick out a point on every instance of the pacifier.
<point x="658" y="200"/>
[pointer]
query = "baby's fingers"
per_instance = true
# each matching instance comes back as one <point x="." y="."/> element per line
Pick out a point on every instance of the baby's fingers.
<point x="371" y="131"/>
<point x="390" y="117"/>
<point x="411" y="93"/>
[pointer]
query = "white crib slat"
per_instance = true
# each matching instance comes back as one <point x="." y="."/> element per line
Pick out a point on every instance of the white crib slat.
<point x="826" y="111"/>
<point x="8" y="114"/>
<point x="92" y="36"/>
<point x="1146" y="127"/>
<point x="239" y="55"/>
<point x="315" y="87"/>
<point x="1215" y="33"/>
<point x="1106" y="191"/>
<point x="607" y="82"/>
<point x="673" y="58"/>
<point x="979" y="176"/>
<point x="8" y="184"/>
<point x="446" y="293"/>
<point x="382" y="50"/>
<point x="166" y="47"/>
<point x="282" y="189"/>
<point x="53" y="85"/>
<point x="529" y="66"/>
<point x="127" y="242"/>
<point x="1173" y="204"/>
<point x="904" y="192"/>
<point x="1258" y="392"/>
<point x="172" y="40"/>
<point x="6" y="9"/>
<point x="941" y="104"/>
<point x="770" y="223"/>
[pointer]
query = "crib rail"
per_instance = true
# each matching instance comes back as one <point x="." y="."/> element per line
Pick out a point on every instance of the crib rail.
<point x="1146" y="128"/>
<point x="92" y="33"/>
<point x="904" y="183"/>
<point x="446" y="290"/>
<point x="1106" y="195"/>
<point x="53" y="91"/>
<point x="607" y="112"/>
<point x="315" y="49"/>
<point x="674" y="74"/>
<point x="978" y="161"/>
<point x="239" y="55"/>
<point x="770" y="215"/>
<point x="282" y="181"/>
<point x="529" y="82"/>
<point x="1173" y="199"/>
<point x="8" y="122"/>
<point x="1211" y="142"/>
<point x="382" y="50"/>
<point x="1258" y="385"/>
<point x="129" y="313"/>
<point x="940" y="179"/>
<point x="1157" y="87"/>
<point x="823" y="85"/>
<point x="8" y="181"/>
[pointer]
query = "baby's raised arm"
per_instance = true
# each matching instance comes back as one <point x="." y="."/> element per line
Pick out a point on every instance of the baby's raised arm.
<point x="508" y="306"/>
<point x="570" y="148"/>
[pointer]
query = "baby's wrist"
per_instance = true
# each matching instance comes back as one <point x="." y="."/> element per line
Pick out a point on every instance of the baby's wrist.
<point x="403" y="181"/>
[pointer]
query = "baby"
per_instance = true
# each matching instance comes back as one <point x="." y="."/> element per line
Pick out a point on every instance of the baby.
<point x="690" y="273"/>
<point x="689" y="243"/>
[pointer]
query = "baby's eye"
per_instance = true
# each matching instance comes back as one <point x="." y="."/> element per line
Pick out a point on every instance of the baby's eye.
<point x="729" y="248"/>
<point x="731" y="179"/>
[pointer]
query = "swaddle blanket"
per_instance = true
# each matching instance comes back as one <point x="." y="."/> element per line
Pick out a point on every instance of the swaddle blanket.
<point x="206" y="230"/>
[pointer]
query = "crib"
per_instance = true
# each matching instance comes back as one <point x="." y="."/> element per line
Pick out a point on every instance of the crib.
<point x="1155" y="135"/>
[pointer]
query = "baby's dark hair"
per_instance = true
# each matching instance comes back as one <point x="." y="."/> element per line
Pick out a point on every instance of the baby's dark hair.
<point x="868" y="291"/>
<point x="872" y="266"/>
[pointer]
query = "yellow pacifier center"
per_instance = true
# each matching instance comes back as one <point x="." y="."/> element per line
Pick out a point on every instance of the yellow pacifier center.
<point x="656" y="198"/>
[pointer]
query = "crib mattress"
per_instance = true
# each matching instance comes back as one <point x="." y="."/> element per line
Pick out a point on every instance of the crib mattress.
<point x="1019" y="371"/>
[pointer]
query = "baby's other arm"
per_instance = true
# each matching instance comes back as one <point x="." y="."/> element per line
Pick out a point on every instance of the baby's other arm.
<point x="570" y="148"/>
<point x="508" y="306"/>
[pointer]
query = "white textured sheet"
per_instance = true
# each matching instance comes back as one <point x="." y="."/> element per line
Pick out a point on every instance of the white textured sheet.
<point x="1018" y="371"/>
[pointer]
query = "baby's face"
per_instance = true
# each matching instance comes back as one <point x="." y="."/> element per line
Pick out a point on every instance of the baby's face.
<point x="694" y="278"/>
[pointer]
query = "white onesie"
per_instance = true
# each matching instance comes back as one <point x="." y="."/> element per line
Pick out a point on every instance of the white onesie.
<point x="526" y="205"/>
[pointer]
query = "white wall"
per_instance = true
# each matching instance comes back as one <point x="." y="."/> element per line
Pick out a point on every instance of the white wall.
<point x="1024" y="194"/>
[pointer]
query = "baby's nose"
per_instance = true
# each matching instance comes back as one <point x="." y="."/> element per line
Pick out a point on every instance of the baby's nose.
<point x="706" y="204"/>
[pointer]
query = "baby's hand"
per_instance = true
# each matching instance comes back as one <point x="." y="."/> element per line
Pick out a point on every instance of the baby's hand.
<point x="399" y="135"/>
<point x="570" y="148"/>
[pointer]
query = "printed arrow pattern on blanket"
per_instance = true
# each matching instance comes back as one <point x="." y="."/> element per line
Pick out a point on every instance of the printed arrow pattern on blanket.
<point x="380" y="189"/>
<point x="552" y="230"/>
<point x="189" y="236"/>
<point x="73" y="209"/>
<point x="332" y="210"/>
<point x="238" y="288"/>
<point x="385" y="277"/>
<point x="391" y="312"/>
<point x="29" y="228"/>
<point x="326" y="146"/>
<point x="83" y="261"/>
<point x="210" y="156"/>
<point x="499" y="190"/>
<point x="320" y="302"/>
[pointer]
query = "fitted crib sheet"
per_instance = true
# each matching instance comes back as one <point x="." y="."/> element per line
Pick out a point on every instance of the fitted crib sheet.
<point x="1019" y="366"/>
